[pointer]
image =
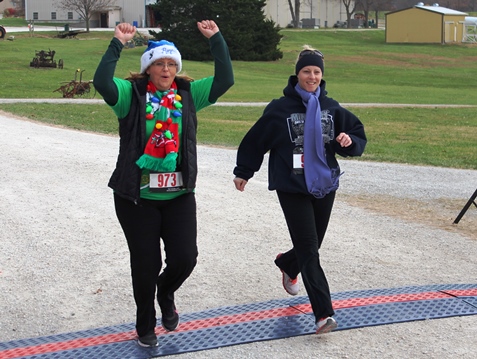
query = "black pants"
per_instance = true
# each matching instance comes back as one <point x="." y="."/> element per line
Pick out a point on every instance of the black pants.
<point x="144" y="225"/>
<point x="307" y="219"/>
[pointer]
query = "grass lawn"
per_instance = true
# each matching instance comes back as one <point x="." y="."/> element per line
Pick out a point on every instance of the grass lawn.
<point x="359" y="68"/>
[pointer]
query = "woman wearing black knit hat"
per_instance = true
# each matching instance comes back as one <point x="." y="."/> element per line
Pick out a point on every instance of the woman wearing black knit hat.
<point x="303" y="130"/>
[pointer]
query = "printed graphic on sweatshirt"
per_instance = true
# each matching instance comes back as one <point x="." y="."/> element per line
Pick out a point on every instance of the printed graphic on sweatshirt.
<point x="296" y="129"/>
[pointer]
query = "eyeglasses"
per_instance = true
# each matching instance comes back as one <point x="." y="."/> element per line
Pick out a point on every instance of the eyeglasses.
<point x="311" y="52"/>
<point x="163" y="65"/>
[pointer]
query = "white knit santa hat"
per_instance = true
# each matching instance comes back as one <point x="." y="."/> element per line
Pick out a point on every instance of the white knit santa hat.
<point x="160" y="50"/>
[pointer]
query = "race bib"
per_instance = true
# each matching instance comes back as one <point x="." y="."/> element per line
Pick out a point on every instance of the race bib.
<point x="298" y="163"/>
<point x="165" y="182"/>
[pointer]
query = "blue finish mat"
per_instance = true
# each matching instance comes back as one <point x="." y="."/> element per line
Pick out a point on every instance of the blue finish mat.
<point x="275" y="319"/>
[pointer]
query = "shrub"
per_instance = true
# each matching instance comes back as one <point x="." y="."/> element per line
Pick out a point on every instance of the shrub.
<point x="9" y="12"/>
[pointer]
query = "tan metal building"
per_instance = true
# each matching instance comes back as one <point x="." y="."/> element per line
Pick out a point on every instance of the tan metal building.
<point x="425" y="24"/>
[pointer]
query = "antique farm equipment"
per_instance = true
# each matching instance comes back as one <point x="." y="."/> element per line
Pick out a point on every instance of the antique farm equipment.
<point x="70" y="34"/>
<point x="45" y="59"/>
<point x="75" y="88"/>
<point x="137" y="40"/>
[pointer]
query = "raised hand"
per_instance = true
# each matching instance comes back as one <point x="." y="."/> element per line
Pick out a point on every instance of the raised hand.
<point x="207" y="28"/>
<point x="124" y="32"/>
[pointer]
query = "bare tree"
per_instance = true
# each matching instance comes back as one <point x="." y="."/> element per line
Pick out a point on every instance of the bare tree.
<point x="295" y="12"/>
<point x="86" y="8"/>
<point x="350" y="6"/>
<point x="369" y="6"/>
<point x="377" y="6"/>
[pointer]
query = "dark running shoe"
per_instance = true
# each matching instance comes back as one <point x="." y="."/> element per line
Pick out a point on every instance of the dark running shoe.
<point x="148" y="340"/>
<point x="170" y="322"/>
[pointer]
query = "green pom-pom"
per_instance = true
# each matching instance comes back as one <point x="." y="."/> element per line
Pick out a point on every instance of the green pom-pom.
<point x="150" y="163"/>
<point x="167" y="164"/>
<point x="170" y="162"/>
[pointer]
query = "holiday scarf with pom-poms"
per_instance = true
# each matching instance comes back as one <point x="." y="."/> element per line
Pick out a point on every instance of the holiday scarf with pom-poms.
<point x="160" y="153"/>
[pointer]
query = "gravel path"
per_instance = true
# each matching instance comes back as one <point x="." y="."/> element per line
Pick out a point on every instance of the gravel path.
<point x="64" y="262"/>
<point x="98" y="101"/>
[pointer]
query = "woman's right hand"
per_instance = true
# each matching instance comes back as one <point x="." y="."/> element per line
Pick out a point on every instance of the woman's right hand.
<point x="124" y="32"/>
<point x="240" y="183"/>
<point x="208" y="28"/>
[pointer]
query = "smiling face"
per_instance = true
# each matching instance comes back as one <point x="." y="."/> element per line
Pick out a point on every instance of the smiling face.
<point x="162" y="73"/>
<point x="309" y="78"/>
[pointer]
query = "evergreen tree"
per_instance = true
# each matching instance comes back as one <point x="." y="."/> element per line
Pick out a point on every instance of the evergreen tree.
<point x="249" y="35"/>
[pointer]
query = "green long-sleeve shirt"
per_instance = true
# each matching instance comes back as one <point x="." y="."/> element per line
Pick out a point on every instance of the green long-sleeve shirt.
<point x="223" y="78"/>
<point x="117" y="92"/>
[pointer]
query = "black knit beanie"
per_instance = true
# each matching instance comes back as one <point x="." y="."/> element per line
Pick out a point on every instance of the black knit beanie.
<point x="309" y="60"/>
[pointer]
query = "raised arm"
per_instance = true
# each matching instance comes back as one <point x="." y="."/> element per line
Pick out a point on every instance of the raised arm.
<point x="103" y="77"/>
<point x="223" y="72"/>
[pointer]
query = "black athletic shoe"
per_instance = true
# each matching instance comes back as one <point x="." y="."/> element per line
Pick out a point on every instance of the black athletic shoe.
<point x="148" y="340"/>
<point x="170" y="322"/>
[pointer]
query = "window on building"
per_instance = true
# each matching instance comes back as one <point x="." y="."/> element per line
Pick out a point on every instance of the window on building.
<point x="53" y="16"/>
<point x="35" y="16"/>
<point x="70" y="15"/>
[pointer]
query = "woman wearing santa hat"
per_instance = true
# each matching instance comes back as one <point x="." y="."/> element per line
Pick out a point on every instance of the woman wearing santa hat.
<point x="156" y="169"/>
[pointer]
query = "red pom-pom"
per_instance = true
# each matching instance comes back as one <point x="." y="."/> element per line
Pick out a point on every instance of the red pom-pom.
<point x="150" y="87"/>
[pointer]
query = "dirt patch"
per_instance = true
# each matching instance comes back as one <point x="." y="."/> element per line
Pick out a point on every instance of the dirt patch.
<point x="409" y="60"/>
<point x="439" y="213"/>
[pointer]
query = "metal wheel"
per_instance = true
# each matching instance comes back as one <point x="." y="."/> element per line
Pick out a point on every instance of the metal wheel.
<point x="82" y="89"/>
<point x="60" y="63"/>
<point x="69" y="90"/>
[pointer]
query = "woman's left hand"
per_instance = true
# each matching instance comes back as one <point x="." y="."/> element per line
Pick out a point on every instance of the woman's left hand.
<point x="208" y="28"/>
<point x="344" y="140"/>
<point x="240" y="183"/>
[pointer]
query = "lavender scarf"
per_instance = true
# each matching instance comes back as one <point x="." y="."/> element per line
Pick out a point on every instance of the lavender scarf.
<point x="318" y="177"/>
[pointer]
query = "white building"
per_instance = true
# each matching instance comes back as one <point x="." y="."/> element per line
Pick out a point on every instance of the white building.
<point x="136" y="12"/>
<point x="314" y="13"/>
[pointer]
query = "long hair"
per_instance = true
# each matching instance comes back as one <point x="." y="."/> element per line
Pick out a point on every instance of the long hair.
<point x="137" y="75"/>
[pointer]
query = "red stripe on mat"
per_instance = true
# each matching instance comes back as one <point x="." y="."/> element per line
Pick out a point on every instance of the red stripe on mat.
<point x="227" y="320"/>
<point x="462" y="292"/>
<point x="66" y="345"/>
